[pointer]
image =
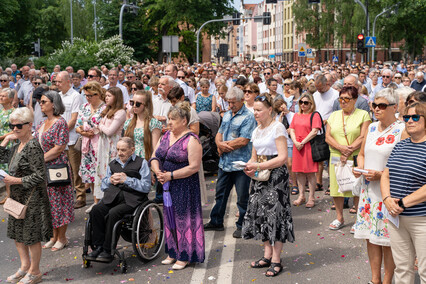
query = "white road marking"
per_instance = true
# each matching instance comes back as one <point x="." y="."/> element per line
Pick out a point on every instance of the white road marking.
<point x="200" y="269"/>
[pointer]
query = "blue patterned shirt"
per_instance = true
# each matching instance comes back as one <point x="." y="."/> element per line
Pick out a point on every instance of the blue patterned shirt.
<point x="242" y="125"/>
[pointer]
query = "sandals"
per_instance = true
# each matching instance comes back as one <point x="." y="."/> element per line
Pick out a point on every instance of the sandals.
<point x="336" y="225"/>
<point x="272" y="269"/>
<point x="352" y="210"/>
<point x="294" y="190"/>
<point x="299" y="201"/>
<point x="59" y="246"/>
<point x="49" y="244"/>
<point x="257" y="264"/>
<point x="31" y="279"/>
<point x="319" y="187"/>
<point x="310" y="204"/>
<point x="18" y="275"/>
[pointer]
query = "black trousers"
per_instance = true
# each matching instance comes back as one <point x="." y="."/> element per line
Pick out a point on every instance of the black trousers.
<point x="103" y="218"/>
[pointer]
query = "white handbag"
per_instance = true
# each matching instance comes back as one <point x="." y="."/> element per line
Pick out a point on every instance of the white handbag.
<point x="344" y="176"/>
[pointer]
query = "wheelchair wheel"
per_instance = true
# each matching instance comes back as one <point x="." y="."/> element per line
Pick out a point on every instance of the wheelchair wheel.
<point x="148" y="231"/>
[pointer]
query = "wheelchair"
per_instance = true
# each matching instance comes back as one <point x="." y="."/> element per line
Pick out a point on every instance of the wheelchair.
<point x="144" y="229"/>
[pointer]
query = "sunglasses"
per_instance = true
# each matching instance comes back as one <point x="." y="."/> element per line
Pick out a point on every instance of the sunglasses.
<point x="266" y="73"/>
<point x="398" y="77"/>
<point x="91" y="76"/>
<point x="19" y="126"/>
<point x="385" y="76"/>
<point x="261" y="99"/>
<point x="42" y="102"/>
<point x="134" y="89"/>
<point x="90" y="96"/>
<point x="3" y="80"/>
<point x="381" y="106"/>
<point x="248" y="91"/>
<point x="409" y="102"/>
<point x="285" y="84"/>
<point x="414" y="117"/>
<point x="306" y="103"/>
<point x="54" y="82"/>
<point x="37" y="83"/>
<point x="346" y="100"/>
<point x="137" y="104"/>
<point x="181" y="77"/>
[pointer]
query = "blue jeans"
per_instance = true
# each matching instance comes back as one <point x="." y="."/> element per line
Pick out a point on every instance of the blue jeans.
<point x="225" y="182"/>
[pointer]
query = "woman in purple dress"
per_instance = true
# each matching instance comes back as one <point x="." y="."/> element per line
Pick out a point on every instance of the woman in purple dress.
<point x="180" y="154"/>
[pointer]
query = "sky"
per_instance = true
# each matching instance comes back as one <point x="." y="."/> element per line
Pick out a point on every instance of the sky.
<point x="237" y="3"/>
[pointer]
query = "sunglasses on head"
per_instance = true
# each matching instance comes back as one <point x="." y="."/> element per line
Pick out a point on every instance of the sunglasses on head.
<point x="346" y="100"/>
<point x="137" y="104"/>
<point x="381" y="106"/>
<point x="306" y="103"/>
<point x="409" y="102"/>
<point x="414" y="117"/>
<point x="19" y="125"/>
<point x="261" y="99"/>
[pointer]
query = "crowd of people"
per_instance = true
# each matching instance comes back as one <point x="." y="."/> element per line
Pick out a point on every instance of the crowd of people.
<point x="123" y="132"/>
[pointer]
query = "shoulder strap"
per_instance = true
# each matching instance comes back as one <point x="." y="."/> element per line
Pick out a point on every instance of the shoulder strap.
<point x="322" y="123"/>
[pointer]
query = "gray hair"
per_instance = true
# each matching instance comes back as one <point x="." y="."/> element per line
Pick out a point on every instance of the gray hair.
<point x="128" y="140"/>
<point x="235" y="93"/>
<point x="387" y="71"/>
<point x="388" y="94"/>
<point x="4" y="77"/>
<point x="403" y="92"/>
<point x="181" y="110"/>
<point x="75" y="75"/>
<point x="204" y="82"/>
<point x="55" y="98"/>
<point x="219" y="80"/>
<point x="172" y="82"/>
<point x="65" y="76"/>
<point x="22" y="115"/>
<point x="10" y="92"/>
<point x="337" y="86"/>
<point x="420" y="74"/>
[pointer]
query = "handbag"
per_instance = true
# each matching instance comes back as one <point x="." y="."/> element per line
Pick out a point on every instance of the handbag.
<point x="344" y="176"/>
<point x="78" y="143"/>
<point x="262" y="175"/>
<point x="16" y="209"/>
<point x="58" y="175"/>
<point x="319" y="148"/>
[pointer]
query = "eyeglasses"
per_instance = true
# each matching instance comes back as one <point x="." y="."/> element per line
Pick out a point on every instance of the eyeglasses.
<point x="37" y="83"/>
<point x="286" y="84"/>
<point x="90" y="96"/>
<point x="414" y="117"/>
<point x="407" y="80"/>
<point x="409" y="102"/>
<point x="181" y="77"/>
<point x="248" y="91"/>
<point x="346" y="100"/>
<point x="386" y="76"/>
<point x="266" y="73"/>
<point x="91" y="76"/>
<point x="382" y="106"/>
<point x="137" y="104"/>
<point x="54" y="82"/>
<point x="306" y="103"/>
<point x="3" y="80"/>
<point x="19" y="126"/>
<point x="42" y="102"/>
<point x="398" y="77"/>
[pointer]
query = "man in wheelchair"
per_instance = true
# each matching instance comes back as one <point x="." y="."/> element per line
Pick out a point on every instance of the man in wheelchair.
<point x="126" y="186"/>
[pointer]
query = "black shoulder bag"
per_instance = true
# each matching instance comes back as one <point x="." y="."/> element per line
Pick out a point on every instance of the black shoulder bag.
<point x="320" y="149"/>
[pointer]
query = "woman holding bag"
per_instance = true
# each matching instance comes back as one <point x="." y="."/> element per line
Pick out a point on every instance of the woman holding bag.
<point x="27" y="182"/>
<point x="53" y="135"/>
<point x="268" y="216"/>
<point x="346" y="129"/>
<point x="371" y="224"/>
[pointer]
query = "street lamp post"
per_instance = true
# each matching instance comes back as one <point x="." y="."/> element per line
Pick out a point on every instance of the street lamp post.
<point x="72" y="36"/>
<point x="94" y="22"/>
<point x="367" y="16"/>
<point x="125" y="5"/>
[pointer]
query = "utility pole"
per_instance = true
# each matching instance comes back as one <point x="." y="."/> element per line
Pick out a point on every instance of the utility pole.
<point x="94" y="22"/>
<point x="72" y="35"/>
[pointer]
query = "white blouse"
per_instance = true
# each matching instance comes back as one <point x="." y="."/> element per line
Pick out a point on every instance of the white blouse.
<point x="264" y="139"/>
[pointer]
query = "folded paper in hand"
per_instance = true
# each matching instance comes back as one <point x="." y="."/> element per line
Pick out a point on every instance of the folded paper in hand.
<point x="239" y="165"/>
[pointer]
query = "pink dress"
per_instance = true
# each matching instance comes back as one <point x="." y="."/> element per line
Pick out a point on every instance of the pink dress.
<point x="302" y="160"/>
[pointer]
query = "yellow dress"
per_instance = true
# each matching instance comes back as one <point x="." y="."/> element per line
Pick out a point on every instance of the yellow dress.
<point x="353" y="124"/>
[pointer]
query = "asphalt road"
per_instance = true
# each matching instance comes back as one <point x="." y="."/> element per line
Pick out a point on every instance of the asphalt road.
<point x="317" y="256"/>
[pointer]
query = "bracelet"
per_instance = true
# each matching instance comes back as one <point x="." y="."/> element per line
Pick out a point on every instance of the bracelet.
<point x="386" y="198"/>
<point x="171" y="175"/>
<point x="258" y="167"/>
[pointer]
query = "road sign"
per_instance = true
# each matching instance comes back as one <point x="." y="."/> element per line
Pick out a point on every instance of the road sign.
<point x="309" y="52"/>
<point x="370" y="41"/>
<point x="311" y="60"/>
<point x="302" y="49"/>
<point x="170" y="44"/>
<point x="335" y="58"/>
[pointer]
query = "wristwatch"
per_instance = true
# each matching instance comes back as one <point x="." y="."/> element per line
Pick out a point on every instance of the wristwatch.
<point x="401" y="204"/>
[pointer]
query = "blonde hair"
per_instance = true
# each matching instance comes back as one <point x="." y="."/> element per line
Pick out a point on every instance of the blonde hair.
<point x="311" y="99"/>
<point x="96" y="88"/>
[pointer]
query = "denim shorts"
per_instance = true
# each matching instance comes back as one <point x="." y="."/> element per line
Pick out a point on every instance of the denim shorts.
<point x="290" y="151"/>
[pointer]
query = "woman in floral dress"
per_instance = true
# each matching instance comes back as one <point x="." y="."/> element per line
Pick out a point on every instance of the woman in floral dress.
<point x="88" y="119"/>
<point x="53" y="135"/>
<point x="6" y="98"/>
<point x="372" y="224"/>
<point x="110" y="127"/>
<point x="143" y="122"/>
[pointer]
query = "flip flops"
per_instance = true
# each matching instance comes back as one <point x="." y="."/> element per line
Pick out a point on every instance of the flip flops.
<point x="335" y="225"/>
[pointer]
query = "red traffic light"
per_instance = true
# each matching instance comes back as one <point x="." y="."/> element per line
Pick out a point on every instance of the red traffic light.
<point x="360" y="37"/>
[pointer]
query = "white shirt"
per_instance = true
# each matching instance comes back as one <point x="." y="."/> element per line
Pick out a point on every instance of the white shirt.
<point x="229" y="83"/>
<point x="186" y="90"/>
<point x="38" y="116"/>
<point x="123" y="90"/>
<point x="263" y="88"/>
<point x="160" y="106"/>
<point x="264" y="139"/>
<point x="212" y="88"/>
<point x="72" y="102"/>
<point x="324" y="102"/>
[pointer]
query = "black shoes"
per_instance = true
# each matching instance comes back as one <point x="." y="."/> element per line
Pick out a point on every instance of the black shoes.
<point x="105" y="257"/>
<point x="211" y="227"/>
<point x="99" y="254"/>
<point x="95" y="253"/>
<point x="237" y="233"/>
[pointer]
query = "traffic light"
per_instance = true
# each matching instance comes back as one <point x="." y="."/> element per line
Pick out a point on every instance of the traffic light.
<point x="360" y="46"/>
<point x="35" y="49"/>
<point x="236" y="16"/>
<point x="267" y="20"/>
<point x="271" y="1"/>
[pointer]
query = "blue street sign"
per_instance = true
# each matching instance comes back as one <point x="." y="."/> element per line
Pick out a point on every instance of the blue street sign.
<point x="335" y="58"/>
<point x="302" y="53"/>
<point x="370" y="41"/>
